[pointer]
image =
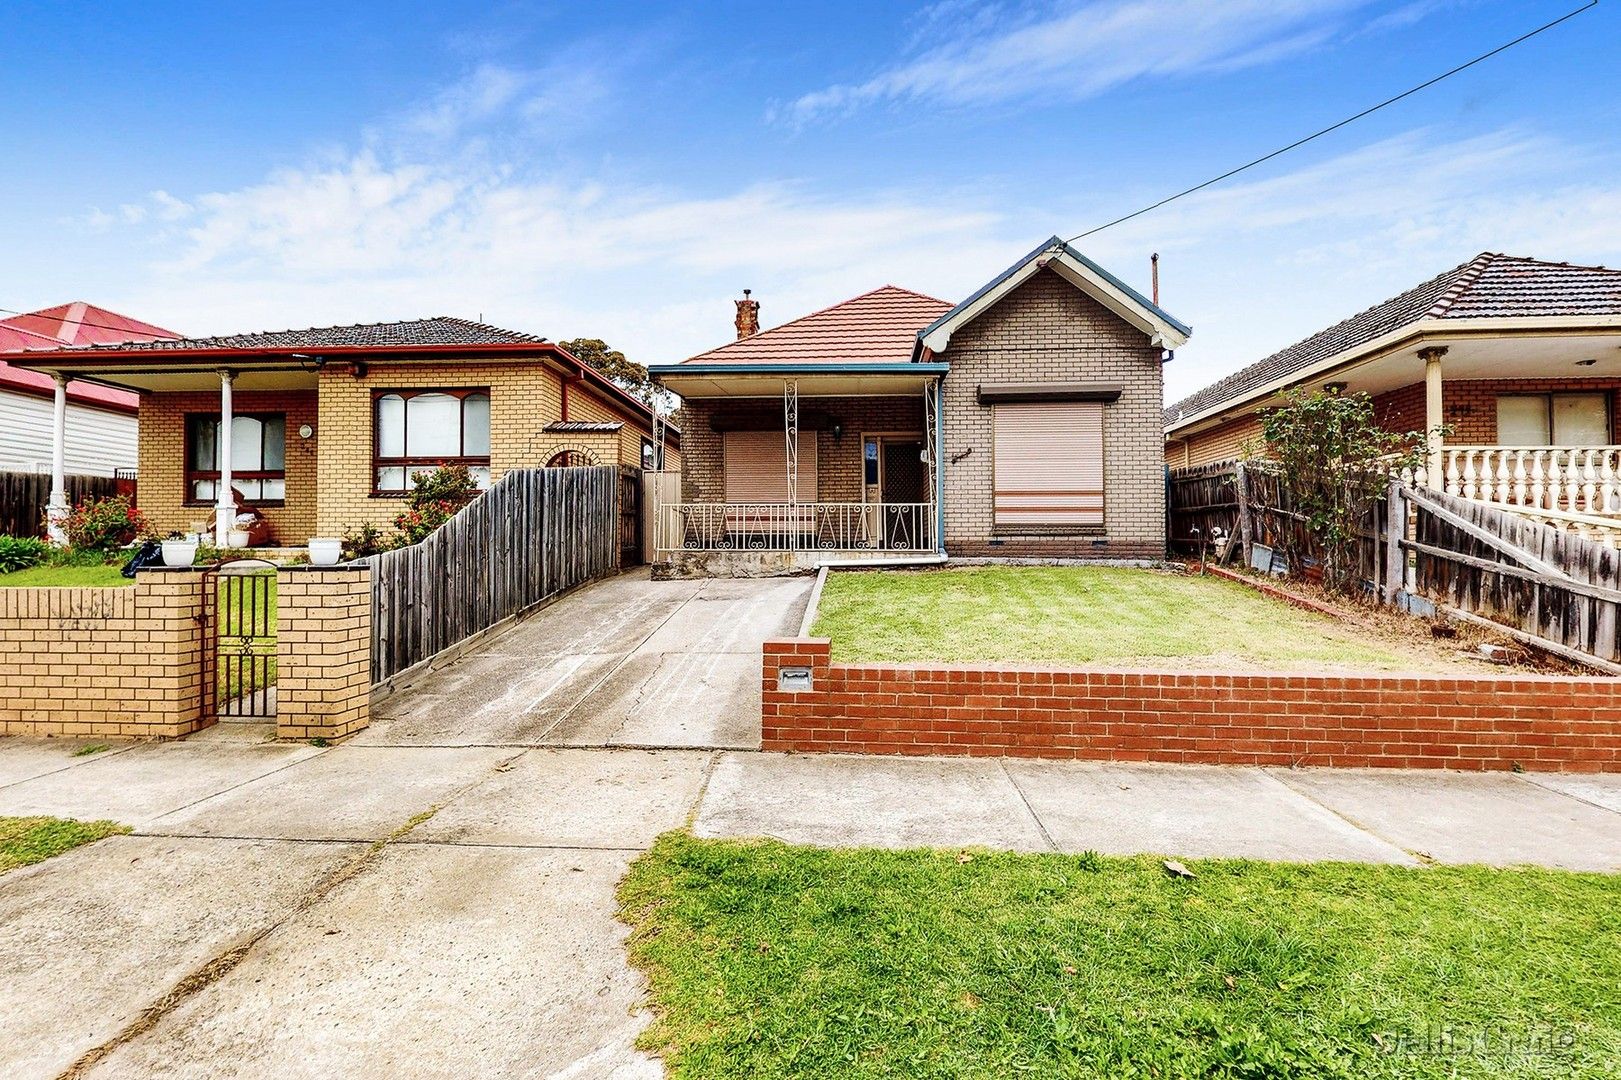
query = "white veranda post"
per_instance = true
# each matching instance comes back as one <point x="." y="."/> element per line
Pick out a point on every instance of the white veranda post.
<point x="56" y="509"/>
<point x="224" y="506"/>
<point x="1434" y="417"/>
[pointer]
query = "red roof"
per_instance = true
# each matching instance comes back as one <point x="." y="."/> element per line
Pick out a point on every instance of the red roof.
<point x="876" y="327"/>
<point x="77" y="323"/>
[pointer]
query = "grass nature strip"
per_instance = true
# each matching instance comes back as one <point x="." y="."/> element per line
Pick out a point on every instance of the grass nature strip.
<point x="767" y="960"/>
<point x="28" y="840"/>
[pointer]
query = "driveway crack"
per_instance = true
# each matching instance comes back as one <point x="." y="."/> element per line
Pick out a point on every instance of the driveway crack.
<point x="223" y="963"/>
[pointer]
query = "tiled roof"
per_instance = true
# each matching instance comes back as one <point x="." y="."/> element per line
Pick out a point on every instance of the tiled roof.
<point x="439" y="330"/>
<point x="876" y="327"/>
<point x="1491" y="285"/>
<point x="584" y="427"/>
<point x="77" y="323"/>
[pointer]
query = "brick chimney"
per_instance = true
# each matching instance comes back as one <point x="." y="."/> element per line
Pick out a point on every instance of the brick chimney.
<point x="748" y="316"/>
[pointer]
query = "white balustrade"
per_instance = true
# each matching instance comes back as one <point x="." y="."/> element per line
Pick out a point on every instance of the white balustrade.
<point x="1575" y="479"/>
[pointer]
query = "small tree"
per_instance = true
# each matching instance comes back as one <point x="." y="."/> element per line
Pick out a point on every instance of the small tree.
<point x="1336" y="461"/>
<point x="625" y="373"/>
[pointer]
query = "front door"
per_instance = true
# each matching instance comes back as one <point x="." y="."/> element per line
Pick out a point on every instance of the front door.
<point x="903" y="490"/>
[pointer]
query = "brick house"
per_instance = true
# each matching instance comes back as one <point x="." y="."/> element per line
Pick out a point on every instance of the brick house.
<point x="329" y="425"/>
<point x="1023" y="421"/>
<point x="1511" y="366"/>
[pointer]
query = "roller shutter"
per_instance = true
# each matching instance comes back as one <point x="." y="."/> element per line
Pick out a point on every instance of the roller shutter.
<point x="757" y="467"/>
<point x="1049" y="464"/>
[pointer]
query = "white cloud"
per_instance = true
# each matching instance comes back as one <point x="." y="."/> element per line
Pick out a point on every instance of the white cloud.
<point x="650" y="270"/>
<point x="976" y="55"/>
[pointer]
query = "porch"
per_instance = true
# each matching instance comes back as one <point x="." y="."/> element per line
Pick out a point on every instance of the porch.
<point x="840" y="460"/>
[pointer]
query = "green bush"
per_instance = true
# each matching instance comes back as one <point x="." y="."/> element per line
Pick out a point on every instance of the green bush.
<point x="361" y="541"/>
<point x="21" y="552"/>
<point x="104" y="524"/>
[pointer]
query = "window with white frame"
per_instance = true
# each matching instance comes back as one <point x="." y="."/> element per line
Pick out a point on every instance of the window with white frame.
<point x="417" y="431"/>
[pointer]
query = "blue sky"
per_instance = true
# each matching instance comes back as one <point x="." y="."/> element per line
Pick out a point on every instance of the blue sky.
<point x="624" y="170"/>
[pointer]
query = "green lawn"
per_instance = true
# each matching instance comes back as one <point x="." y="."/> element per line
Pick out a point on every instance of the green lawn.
<point x="773" y="961"/>
<point x="28" y="840"/>
<point x="1075" y="615"/>
<point x="39" y="576"/>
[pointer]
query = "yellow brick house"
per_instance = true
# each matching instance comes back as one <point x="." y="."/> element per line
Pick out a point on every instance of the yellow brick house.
<point x="327" y="426"/>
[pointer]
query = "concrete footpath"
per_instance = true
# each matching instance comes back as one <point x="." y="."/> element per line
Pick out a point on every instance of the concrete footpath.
<point x="287" y="911"/>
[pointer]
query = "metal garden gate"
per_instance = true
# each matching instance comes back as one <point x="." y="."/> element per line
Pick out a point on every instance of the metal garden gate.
<point x="239" y="640"/>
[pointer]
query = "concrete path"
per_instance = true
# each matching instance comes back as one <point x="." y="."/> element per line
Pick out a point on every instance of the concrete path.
<point x="626" y="662"/>
<point x="448" y="911"/>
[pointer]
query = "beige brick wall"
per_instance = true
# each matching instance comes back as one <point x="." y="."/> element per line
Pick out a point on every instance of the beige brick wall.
<point x="524" y="398"/>
<point x="1047" y="330"/>
<point x="162" y="459"/>
<point x="323" y="651"/>
<point x="838" y="460"/>
<point x="103" y="663"/>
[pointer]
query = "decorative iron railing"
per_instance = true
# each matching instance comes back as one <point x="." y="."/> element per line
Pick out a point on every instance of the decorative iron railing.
<point x="820" y="526"/>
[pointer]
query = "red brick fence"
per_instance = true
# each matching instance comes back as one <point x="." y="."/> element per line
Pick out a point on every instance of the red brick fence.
<point x="1540" y="723"/>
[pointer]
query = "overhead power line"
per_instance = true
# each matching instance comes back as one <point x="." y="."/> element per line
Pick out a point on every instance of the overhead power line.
<point x="1335" y="127"/>
<point x="64" y="344"/>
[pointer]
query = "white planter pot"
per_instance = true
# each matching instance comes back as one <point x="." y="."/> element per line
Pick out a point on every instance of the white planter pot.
<point x="237" y="538"/>
<point x="325" y="552"/>
<point x="179" y="552"/>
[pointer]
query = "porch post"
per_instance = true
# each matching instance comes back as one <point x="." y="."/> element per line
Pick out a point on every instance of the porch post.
<point x="224" y="505"/>
<point x="939" y="436"/>
<point x="56" y="508"/>
<point x="1434" y="464"/>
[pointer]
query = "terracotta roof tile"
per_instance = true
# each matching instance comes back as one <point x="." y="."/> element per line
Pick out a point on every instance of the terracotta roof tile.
<point x="876" y="327"/>
<point x="1491" y="285"/>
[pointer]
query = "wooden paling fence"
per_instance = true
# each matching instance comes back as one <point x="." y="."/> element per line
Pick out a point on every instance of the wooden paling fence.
<point x="1200" y="501"/>
<point x="1483" y="564"/>
<point x="24" y="496"/>
<point x="1248" y="503"/>
<point x="534" y="534"/>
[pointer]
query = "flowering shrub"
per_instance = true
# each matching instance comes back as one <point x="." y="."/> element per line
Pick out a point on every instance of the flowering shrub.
<point x="434" y="500"/>
<point x="104" y="524"/>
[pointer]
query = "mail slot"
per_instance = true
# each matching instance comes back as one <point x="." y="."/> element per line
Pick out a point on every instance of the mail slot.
<point x="793" y="678"/>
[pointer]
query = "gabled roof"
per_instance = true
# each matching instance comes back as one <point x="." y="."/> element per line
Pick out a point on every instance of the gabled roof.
<point x="876" y="327"/>
<point x="1491" y="285"/>
<point x="76" y="323"/>
<point x="1086" y="275"/>
<point x="439" y="330"/>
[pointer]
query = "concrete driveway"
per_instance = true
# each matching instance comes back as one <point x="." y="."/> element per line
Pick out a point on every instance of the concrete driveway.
<point x="625" y="662"/>
<point x="448" y="911"/>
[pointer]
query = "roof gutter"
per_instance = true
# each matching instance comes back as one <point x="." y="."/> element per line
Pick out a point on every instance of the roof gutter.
<point x="1394" y="341"/>
<point x="890" y="368"/>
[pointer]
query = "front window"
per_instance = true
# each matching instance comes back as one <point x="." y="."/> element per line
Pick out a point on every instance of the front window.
<point x="258" y="444"/>
<point x="1553" y="419"/>
<point x="1047" y="466"/>
<point x="416" y="431"/>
